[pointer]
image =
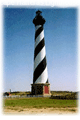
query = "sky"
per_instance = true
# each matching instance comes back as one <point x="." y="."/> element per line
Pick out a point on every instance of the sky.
<point x="60" y="33"/>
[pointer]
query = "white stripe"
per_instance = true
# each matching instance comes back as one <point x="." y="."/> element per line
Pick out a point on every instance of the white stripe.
<point x="37" y="27"/>
<point x="43" y="77"/>
<point x="39" y="38"/>
<point x="39" y="57"/>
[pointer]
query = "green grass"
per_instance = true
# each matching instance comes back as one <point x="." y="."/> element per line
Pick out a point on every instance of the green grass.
<point x="39" y="103"/>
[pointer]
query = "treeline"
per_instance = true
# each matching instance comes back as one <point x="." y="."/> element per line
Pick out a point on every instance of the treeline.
<point x="72" y="96"/>
<point x="17" y="93"/>
<point x="54" y="94"/>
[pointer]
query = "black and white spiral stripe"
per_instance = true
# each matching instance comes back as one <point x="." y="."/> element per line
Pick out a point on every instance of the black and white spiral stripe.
<point x="40" y="65"/>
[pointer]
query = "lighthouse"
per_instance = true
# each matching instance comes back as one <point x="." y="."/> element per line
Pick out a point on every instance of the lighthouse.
<point x="41" y="85"/>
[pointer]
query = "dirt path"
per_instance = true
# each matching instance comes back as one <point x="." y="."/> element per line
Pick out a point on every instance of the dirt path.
<point x="35" y="111"/>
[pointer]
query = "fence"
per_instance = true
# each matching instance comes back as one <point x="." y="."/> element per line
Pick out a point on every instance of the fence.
<point x="25" y="96"/>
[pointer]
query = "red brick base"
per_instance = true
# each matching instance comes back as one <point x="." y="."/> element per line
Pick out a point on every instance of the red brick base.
<point x="40" y="89"/>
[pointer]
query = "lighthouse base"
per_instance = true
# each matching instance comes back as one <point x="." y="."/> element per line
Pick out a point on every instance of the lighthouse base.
<point x="40" y="89"/>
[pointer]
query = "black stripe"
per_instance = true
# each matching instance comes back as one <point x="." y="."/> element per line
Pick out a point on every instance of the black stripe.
<point x="39" y="47"/>
<point x="40" y="68"/>
<point x="47" y="81"/>
<point x="38" y="32"/>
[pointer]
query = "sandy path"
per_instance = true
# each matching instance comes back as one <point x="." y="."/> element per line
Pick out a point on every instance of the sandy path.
<point x="35" y="111"/>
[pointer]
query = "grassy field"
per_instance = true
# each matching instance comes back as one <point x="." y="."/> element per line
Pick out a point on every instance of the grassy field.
<point x="39" y="103"/>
